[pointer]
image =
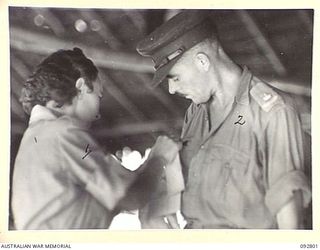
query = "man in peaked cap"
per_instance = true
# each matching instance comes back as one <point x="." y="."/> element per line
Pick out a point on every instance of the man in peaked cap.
<point x="242" y="152"/>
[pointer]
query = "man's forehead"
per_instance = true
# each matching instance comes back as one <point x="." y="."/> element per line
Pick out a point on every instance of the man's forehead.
<point x="174" y="71"/>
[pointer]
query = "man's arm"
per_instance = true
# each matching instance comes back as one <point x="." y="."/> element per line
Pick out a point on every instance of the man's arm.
<point x="287" y="186"/>
<point x="151" y="174"/>
<point x="141" y="190"/>
<point x="290" y="216"/>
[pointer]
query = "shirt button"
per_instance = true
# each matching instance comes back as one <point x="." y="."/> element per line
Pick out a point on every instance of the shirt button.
<point x="202" y="146"/>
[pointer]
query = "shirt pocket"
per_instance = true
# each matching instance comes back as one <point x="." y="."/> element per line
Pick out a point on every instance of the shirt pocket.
<point x="227" y="178"/>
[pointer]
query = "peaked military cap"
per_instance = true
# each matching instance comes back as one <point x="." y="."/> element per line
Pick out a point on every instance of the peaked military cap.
<point x="166" y="44"/>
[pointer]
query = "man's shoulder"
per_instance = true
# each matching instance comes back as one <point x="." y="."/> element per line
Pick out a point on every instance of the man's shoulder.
<point x="62" y="125"/>
<point x="70" y="131"/>
<point x="269" y="98"/>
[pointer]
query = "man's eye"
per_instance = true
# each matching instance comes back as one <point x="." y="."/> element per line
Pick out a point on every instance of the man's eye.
<point x="175" y="79"/>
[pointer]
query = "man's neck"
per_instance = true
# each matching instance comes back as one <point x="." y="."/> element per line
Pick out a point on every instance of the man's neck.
<point x="229" y="80"/>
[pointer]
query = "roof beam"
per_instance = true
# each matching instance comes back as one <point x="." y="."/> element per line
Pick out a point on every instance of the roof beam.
<point x="306" y="20"/>
<point x="262" y="42"/>
<point x="19" y="67"/>
<point x="33" y="42"/>
<point x="137" y="19"/>
<point x="51" y="20"/>
<point x="17" y="109"/>
<point x="18" y="127"/>
<point x="105" y="32"/>
<point x="160" y="95"/>
<point x="122" y="99"/>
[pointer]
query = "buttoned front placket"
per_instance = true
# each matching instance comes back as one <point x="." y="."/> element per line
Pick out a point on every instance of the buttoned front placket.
<point x="212" y="131"/>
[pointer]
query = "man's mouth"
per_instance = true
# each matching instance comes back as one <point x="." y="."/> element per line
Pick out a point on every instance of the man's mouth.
<point x="182" y="95"/>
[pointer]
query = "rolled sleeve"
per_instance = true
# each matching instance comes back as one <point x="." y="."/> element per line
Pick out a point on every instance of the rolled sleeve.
<point x="284" y="159"/>
<point x="166" y="199"/>
<point x="283" y="190"/>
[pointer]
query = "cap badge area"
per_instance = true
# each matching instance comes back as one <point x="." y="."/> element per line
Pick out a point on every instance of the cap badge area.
<point x="169" y="58"/>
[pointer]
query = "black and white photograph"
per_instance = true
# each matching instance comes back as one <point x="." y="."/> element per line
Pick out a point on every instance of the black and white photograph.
<point x="175" y="119"/>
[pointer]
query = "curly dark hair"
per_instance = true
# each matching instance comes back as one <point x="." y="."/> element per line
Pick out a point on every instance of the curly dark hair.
<point x="55" y="77"/>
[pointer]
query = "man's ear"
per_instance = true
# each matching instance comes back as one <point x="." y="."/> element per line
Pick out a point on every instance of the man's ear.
<point x="80" y="85"/>
<point x="202" y="61"/>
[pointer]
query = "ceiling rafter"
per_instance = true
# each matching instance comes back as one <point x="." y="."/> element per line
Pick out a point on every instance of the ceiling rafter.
<point x="263" y="43"/>
<point x="159" y="95"/>
<point x="29" y="41"/>
<point x="137" y="19"/>
<point x="51" y="20"/>
<point x="123" y="100"/>
<point x="16" y="108"/>
<point x="19" y="66"/>
<point x="18" y="127"/>
<point x="104" y="31"/>
<point x="306" y="20"/>
<point x="16" y="86"/>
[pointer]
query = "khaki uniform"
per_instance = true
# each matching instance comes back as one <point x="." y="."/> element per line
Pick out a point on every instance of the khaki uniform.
<point x="241" y="172"/>
<point x="63" y="180"/>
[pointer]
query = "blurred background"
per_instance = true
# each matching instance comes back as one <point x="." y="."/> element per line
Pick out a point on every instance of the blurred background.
<point x="276" y="45"/>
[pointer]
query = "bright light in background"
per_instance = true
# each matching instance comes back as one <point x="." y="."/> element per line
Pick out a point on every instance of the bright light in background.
<point x="132" y="159"/>
<point x="80" y="25"/>
<point x="129" y="220"/>
<point x="39" y="20"/>
<point x="126" y="221"/>
<point x="95" y="25"/>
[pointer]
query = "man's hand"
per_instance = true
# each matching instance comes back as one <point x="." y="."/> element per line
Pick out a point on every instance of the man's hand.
<point x="165" y="148"/>
<point x="172" y="221"/>
<point x="162" y="222"/>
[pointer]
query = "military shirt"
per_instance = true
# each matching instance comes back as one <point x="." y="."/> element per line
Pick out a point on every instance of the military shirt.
<point x="241" y="173"/>
<point x="63" y="180"/>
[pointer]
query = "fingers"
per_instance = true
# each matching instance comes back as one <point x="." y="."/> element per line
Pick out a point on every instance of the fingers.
<point x="172" y="221"/>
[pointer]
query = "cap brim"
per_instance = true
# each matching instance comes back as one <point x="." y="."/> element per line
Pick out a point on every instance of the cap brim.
<point x="161" y="74"/>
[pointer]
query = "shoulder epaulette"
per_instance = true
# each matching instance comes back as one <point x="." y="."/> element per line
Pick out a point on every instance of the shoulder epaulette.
<point x="265" y="96"/>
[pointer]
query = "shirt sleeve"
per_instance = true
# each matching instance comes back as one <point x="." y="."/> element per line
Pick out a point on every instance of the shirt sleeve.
<point x="145" y="186"/>
<point x="284" y="160"/>
<point x="166" y="198"/>
<point x="86" y="165"/>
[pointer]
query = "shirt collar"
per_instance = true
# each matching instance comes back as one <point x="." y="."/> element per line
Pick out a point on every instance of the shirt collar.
<point x="243" y="91"/>
<point x="41" y="113"/>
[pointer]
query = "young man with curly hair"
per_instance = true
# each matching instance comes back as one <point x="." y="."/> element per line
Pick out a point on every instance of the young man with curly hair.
<point x="62" y="179"/>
